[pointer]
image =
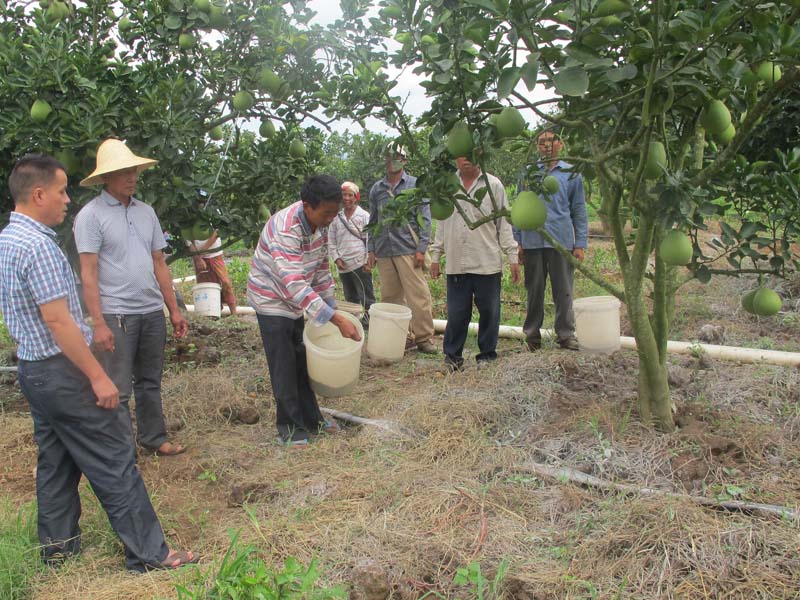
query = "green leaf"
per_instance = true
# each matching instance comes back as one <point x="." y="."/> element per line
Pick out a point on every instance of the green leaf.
<point x="507" y="82"/>
<point x="529" y="73"/>
<point x="573" y="81"/>
<point x="581" y="53"/>
<point x="487" y="4"/>
<point x="623" y="73"/>
<point x="173" y="22"/>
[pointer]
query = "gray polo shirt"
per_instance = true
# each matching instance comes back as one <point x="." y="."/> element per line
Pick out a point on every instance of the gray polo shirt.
<point x="124" y="239"/>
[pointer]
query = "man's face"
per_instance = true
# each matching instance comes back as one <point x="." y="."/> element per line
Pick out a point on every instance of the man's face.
<point x="395" y="163"/>
<point x="52" y="200"/>
<point x="324" y="214"/>
<point x="348" y="199"/>
<point x="466" y="167"/>
<point x="121" y="184"/>
<point x="549" y="145"/>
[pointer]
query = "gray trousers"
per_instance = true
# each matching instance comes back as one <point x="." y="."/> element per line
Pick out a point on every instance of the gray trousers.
<point x="538" y="265"/>
<point x="75" y="436"/>
<point x="136" y="366"/>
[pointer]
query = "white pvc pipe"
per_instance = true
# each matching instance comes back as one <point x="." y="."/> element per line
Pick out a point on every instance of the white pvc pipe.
<point x="735" y="353"/>
<point x="186" y="279"/>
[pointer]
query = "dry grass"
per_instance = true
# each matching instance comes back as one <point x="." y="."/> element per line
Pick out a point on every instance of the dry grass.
<point x="423" y="507"/>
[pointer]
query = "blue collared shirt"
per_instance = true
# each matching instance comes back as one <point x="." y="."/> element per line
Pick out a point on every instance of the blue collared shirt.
<point x="397" y="241"/>
<point x="124" y="239"/>
<point x="567" y="220"/>
<point x="34" y="271"/>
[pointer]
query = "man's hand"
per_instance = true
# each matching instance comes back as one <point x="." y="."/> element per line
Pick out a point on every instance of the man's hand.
<point x="578" y="253"/>
<point x="371" y="261"/>
<point x="339" y="264"/>
<point x="106" y="392"/>
<point x="179" y="325"/>
<point x="346" y="327"/>
<point x="200" y="264"/>
<point x="521" y="253"/>
<point x="516" y="276"/>
<point x="102" y="337"/>
<point x="435" y="270"/>
<point x="419" y="260"/>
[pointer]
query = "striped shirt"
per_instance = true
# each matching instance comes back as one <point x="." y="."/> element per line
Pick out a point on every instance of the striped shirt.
<point x="124" y="239"/>
<point x="34" y="271"/>
<point x="344" y="243"/>
<point x="290" y="274"/>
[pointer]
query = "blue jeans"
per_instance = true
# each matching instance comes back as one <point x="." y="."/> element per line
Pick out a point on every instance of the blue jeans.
<point x="136" y="366"/>
<point x="462" y="290"/>
<point x="75" y="436"/>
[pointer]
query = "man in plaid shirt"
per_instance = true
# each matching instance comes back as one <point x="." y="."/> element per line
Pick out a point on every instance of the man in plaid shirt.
<point x="79" y="425"/>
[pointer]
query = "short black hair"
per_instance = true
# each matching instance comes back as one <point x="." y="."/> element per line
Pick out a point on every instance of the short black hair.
<point x="321" y="188"/>
<point x="30" y="171"/>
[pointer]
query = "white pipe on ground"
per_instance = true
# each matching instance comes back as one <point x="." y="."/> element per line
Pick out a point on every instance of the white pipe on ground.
<point x="734" y="353"/>
<point x="186" y="279"/>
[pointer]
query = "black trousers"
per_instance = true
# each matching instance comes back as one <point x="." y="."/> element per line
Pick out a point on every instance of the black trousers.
<point x="539" y="264"/>
<point x="136" y="367"/>
<point x="357" y="287"/>
<point x="75" y="436"/>
<point x="296" y="405"/>
<point x="461" y="291"/>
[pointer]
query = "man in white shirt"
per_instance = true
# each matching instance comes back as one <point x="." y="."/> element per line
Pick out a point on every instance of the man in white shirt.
<point x="474" y="265"/>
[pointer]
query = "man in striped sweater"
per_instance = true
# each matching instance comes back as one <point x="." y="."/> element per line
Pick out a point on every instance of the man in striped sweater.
<point x="289" y="277"/>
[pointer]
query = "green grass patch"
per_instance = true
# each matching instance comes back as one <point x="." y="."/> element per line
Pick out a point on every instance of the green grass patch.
<point x="19" y="550"/>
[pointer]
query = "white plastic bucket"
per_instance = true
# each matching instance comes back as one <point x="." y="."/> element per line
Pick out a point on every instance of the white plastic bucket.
<point x="207" y="299"/>
<point x="597" y="324"/>
<point x="333" y="361"/>
<point x="388" y="330"/>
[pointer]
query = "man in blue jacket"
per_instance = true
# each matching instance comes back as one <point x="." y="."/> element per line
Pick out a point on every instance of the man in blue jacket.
<point x="568" y="224"/>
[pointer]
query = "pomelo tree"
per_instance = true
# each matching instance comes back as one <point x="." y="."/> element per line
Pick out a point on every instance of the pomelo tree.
<point x="662" y="95"/>
<point x="178" y="80"/>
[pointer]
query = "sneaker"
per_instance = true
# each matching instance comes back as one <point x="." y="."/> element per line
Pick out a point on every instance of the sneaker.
<point x="292" y="437"/>
<point x="427" y="347"/>
<point x="533" y="346"/>
<point x="329" y="426"/>
<point x="410" y="344"/>
<point x="570" y="344"/>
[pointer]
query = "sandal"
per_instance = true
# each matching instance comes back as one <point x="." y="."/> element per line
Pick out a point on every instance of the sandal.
<point x="171" y="449"/>
<point x="178" y="558"/>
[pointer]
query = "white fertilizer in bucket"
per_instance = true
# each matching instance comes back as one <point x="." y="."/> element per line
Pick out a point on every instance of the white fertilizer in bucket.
<point x="333" y="361"/>
<point x="388" y="330"/>
<point x="597" y="324"/>
<point x="207" y="299"/>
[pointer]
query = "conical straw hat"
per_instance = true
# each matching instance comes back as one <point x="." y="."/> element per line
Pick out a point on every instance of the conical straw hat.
<point x="114" y="155"/>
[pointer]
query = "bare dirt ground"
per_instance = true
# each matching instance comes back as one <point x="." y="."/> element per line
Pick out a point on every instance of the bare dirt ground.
<point x="460" y="489"/>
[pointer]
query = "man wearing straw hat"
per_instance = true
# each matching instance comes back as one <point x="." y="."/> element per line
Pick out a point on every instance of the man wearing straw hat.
<point x="79" y="425"/>
<point x="126" y="283"/>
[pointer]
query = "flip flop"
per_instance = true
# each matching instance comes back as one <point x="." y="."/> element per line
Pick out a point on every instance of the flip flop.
<point x="178" y="558"/>
<point x="174" y="450"/>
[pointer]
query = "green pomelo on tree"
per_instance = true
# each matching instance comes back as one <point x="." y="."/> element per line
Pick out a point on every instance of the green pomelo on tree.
<point x="269" y="81"/>
<point x="459" y="140"/>
<point x="297" y="149"/>
<point x="217" y="19"/>
<point x="186" y="41"/>
<point x="124" y="24"/>
<point x="528" y="212"/>
<point x="72" y="163"/>
<point x="656" y="161"/>
<point x="40" y="111"/>
<point x="201" y="231"/>
<point x="769" y="72"/>
<point x="243" y="100"/>
<point x="264" y="212"/>
<point x="551" y="184"/>
<point x="606" y="8"/>
<point x="427" y="40"/>
<point x="391" y="12"/>
<point x="726" y="136"/>
<point x="510" y="123"/>
<point x="267" y="129"/>
<point x="747" y="301"/>
<point x="202" y="5"/>
<point x="716" y="117"/>
<point x="676" y="248"/>
<point x="216" y="133"/>
<point x="766" y="303"/>
<point x="441" y="209"/>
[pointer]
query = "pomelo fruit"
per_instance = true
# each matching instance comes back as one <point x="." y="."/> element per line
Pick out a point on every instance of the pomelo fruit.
<point x="40" y="110"/>
<point x="510" y="123"/>
<point x="766" y="302"/>
<point x="216" y="133"/>
<point x="186" y="41"/>
<point x="768" y="72"/>
<point x="459" y="140"/>
<point x="747" y="301"/>
<point x="217" y="19"/>
<point x="124" y="24"/>
<point x="243" y="100"/>
<point x="528" y="211"/>
<point x="200" y="231"/>
<point x="610" y="7"/>
<point x="72" y="163"/>
<point x="441" y="209"/>
<point x="297" y="149"/>
<point x="391" y="12"/>
<point x="186" y="232"/>
<point x="716" y="117"/>
<point x="656" y="159"/>
<point x="676" y="248"/>
<point x="267" y="129"/>
<point x="726" y="136"/>
<point x="202" y="5"/>
<point x="264" y="212"/>
<point x="551" y="185"/>
<point x="269" y="81"/>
